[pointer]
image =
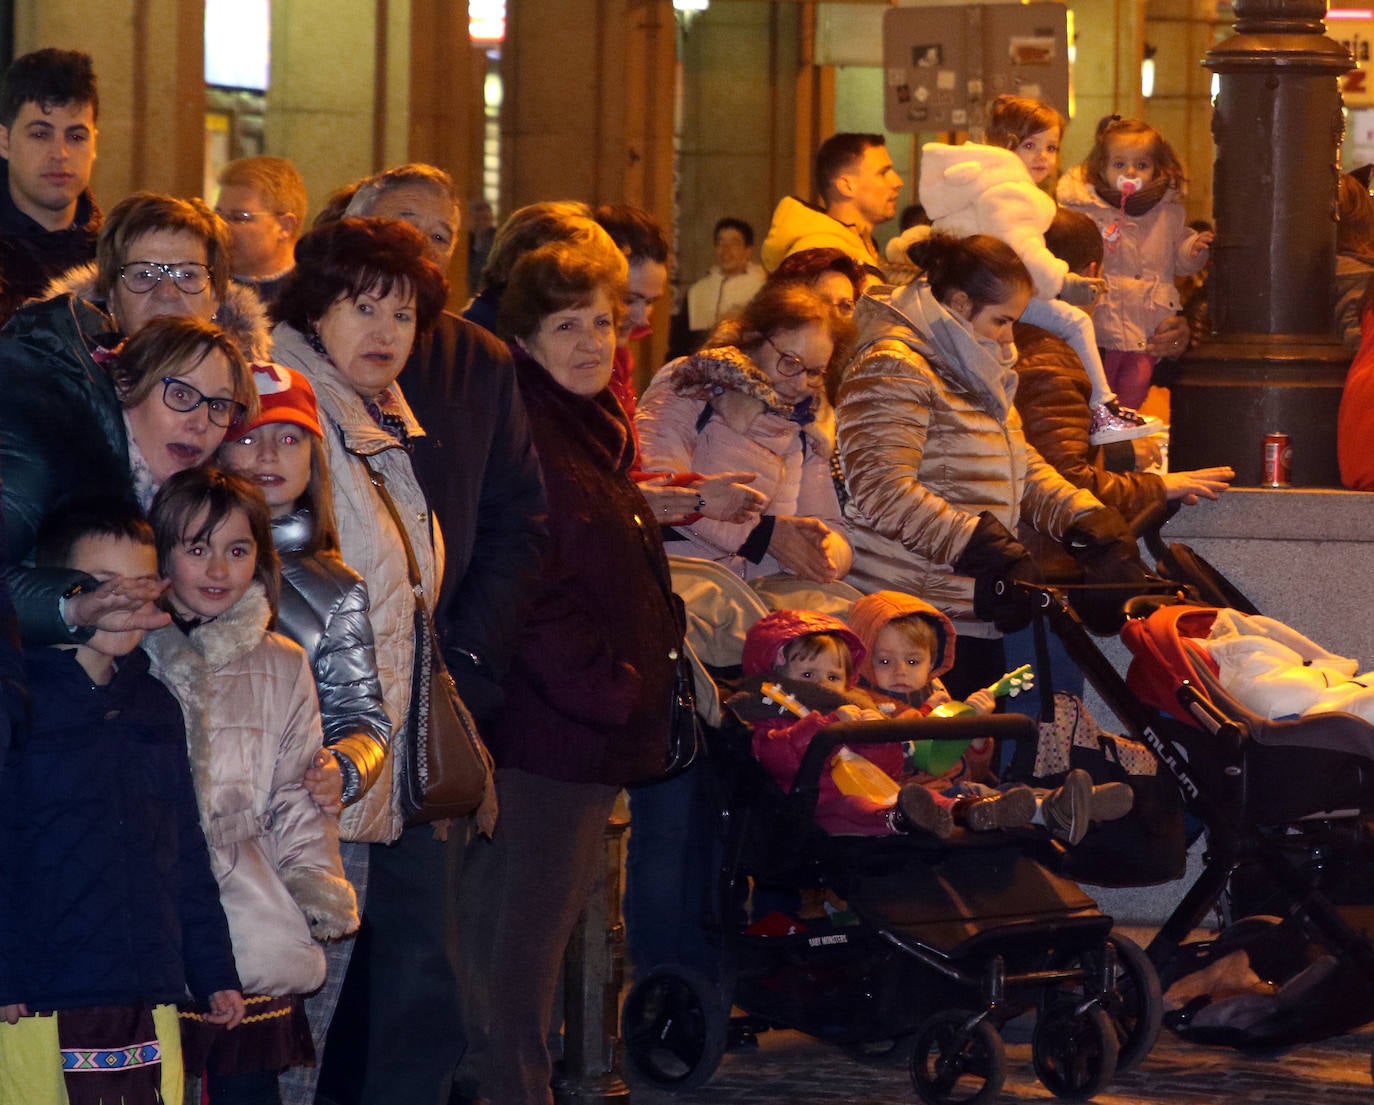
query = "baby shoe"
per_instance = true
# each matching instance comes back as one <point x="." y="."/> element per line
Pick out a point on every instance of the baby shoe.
<point x="1113" y="422"/>
<point x="1013" y="807"/>
<point x="1068" y="810"/>
<point x="918" y="810"/>
<point x="1111" y="801"/>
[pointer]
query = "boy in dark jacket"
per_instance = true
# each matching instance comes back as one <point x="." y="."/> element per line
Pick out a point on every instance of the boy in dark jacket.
<point x="108" y="907"/>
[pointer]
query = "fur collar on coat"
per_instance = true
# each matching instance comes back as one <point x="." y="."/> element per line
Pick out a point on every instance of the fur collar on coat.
<point x="241" y="313"/>
<point x="739" y="391"/>
<point x="189" y="660"/>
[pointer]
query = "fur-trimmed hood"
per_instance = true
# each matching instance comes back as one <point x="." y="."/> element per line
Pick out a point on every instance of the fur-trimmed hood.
<point x="241" y="313"/>
<point x="712" y="374"/>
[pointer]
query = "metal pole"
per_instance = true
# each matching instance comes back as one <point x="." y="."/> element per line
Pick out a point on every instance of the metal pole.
<point x="593" y="970"/>
<point x="1274" y="363"/>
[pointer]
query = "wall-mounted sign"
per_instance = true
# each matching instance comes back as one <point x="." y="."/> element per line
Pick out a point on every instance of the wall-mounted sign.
<point x="944" y="65"/>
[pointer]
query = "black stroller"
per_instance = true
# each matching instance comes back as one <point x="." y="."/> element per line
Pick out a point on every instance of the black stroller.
<point x="938" y="945"/>
<point x="1235" y="773"/>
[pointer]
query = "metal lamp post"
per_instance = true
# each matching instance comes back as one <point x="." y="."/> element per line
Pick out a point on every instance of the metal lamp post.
<point x="1273" y="364"/>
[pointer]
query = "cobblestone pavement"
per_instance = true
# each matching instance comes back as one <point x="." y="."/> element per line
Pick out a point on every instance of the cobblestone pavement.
<point x="791" y="1068"/>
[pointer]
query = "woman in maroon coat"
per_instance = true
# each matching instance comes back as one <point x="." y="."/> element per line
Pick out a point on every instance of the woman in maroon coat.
<point x="587" y="694"/>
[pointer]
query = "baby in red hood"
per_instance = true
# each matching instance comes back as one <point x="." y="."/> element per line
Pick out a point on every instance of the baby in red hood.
<point x="813" y="657"/>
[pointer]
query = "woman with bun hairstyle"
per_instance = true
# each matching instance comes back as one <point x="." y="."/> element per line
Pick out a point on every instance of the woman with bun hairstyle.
<point x="939" y="471"/>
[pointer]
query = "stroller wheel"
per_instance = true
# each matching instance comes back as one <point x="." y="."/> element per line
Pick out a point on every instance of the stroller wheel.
<point x="891" y="1051"/>
<point x="958" y="1059"/>
<point x="1137" y="1007"/>
<point x="674" y="1026"/>
<point x="1074" y="1053"/>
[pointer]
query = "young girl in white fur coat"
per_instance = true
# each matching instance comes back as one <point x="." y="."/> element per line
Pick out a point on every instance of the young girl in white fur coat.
<point x="253" y="727"/>
<point x="995" y="189"/>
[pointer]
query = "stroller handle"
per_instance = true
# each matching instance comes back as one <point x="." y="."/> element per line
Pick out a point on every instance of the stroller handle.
<point x="806" y="785"/>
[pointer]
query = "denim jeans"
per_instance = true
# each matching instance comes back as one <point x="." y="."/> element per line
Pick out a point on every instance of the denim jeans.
<point x="670" y="875"/>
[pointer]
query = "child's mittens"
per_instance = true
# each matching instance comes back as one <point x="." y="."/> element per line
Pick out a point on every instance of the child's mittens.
<point x="1082" y="291"/>
<point x="328" y="902"/>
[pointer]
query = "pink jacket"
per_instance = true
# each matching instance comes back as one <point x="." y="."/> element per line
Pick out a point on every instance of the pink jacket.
<point x="747" y="429"/>
<point x="1143" y="255"/>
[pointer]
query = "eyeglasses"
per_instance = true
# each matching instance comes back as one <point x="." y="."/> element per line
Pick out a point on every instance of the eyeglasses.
<point x="791" y="366"/>
<point x="141" y="277"/>
<point x="183" y="398"/>
<point x="244" y="217"/>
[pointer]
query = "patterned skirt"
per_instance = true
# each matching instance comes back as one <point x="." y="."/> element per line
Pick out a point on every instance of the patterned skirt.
<point x="274" y="1035"/>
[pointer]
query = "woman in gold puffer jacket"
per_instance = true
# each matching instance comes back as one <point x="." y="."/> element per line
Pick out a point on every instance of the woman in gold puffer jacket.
<point x="938" y="470"/>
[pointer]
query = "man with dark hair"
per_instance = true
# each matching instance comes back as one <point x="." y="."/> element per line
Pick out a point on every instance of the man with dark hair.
<point x="48" y="219"/>
<point x="730" y="284"/>
<point x="638" y="236"/>
<point x="641" y="239"/>
<point x="858" y="189"/>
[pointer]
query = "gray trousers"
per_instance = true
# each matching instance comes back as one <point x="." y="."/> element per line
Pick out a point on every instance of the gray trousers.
<point x="298" y="1083"/>
<point x="519" y="899"/>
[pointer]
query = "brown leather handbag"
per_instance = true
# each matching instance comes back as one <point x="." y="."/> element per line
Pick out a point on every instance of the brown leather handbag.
<point x="446" y="765"/>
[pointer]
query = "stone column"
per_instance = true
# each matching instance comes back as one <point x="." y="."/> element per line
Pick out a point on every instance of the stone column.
<point x="588" y="113"/>
<point x="1274" y="364"/>
<point x="150" y="60"/>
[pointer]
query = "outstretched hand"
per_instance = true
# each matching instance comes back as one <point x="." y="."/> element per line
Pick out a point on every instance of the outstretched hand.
<point x="1203" y="483"/>
<point x="669" y="503"/>
<point x="119" y="604"/>
<point x="1202" y="243"/>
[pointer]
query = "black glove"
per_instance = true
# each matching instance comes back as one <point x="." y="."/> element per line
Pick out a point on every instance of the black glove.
<point x="1102" y="526"/>
<point x="1102" y="544"/>
<point x="996" y="560"/>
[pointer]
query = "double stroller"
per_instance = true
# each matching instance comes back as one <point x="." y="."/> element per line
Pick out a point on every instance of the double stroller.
<point x="923" y="951"/>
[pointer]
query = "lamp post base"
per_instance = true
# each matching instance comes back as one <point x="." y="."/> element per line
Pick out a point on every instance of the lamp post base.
<point x="1230" y="393"/>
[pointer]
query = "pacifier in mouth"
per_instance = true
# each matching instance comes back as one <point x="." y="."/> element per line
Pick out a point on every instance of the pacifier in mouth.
<point x="1127" y="186"/>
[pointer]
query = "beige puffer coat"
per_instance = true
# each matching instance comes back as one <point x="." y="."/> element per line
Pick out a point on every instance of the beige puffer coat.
<point x="252" y="728"/>
<point x="372" y="548"/>
<point x="927" y="444"/>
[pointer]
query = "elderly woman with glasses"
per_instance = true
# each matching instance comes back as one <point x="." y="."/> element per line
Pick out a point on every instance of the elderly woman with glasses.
<point x="159" y="256"/>
<point x="751" y="400"/>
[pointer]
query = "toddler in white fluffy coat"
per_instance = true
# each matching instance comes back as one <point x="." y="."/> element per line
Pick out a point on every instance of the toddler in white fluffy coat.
<point x="987" y="189"/>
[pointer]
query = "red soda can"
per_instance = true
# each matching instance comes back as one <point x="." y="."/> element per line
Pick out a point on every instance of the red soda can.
<point x="1278" y="461"/>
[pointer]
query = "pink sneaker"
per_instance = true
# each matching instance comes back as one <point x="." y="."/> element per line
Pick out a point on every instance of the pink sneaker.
<point x="1112" y="422"/>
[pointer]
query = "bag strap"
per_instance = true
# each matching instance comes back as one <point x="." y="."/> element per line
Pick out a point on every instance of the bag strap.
<point x="664" y="577"/>
<point x="378" y="480"/>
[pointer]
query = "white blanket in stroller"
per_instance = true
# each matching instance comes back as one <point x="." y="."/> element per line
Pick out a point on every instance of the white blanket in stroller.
<point x="1275" y="671"/>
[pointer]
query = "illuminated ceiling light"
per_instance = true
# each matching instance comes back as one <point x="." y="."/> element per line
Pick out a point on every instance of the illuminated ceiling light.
<point x="1147" y="72"/>
<point x="487" y="21"/>
<point x="687" y="10"/>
